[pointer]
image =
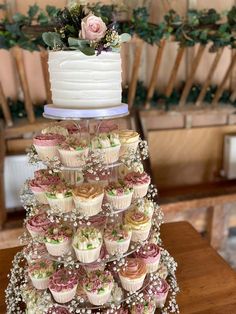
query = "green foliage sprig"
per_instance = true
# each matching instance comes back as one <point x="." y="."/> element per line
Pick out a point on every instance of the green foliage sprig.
<point x="14" y="33"/>
<point x="204" y="26"/>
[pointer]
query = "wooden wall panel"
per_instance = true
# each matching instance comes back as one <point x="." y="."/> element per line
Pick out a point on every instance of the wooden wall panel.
<point x="187" y="156"/>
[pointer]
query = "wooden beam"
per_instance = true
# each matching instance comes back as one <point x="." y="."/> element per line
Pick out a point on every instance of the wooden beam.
<point x="155" y="71"/>
<point x="166" y="5"/>
<point x="5" y="108"/>
<point x="209" y="77"/>
<point x="174" y="71"/>
<point x="3" y="212"/>
<point x="135" y="72"/>
<point x="189" y="82"/>
<point x="44" y="63"/>
<point x="18" y="56"/>
<point x="18" y="146"/>
<point x="217" y="227"/>
<point x="220" y="88"/>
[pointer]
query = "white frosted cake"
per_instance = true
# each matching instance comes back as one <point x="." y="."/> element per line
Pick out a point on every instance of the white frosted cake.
<point x="81" y="81"/>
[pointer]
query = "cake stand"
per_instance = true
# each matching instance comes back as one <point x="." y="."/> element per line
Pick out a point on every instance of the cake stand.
<point x="113" y="262"/>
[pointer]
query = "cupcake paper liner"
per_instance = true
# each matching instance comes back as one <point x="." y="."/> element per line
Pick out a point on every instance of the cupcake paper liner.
<point x="128" y="147"/>
<point x="152" y="267"/>
<point x="90" y="207"/>
<point x="140" y="190"/>
<point x="73" y="158"/>
<point x="40" y="284"/>
<point x="64" y="296"/>
<point x="34" y="233"/>
<point x="58" y="249"/>
<point x="110" y="154"/>
<point x="46" y="152"/>
<point x="121" y="201"/>
<point x="160" y="300"/>
<point x="132" y="285"/>
<point x="114" y="247"/>
<point x="140" y="235"/>
<point x="63" y="205"/>
<point x="88" y="256"/>
<point x="99" y="299"/>
<point x="41" y="197"/>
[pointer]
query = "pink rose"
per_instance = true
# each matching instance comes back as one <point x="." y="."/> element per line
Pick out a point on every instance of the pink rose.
<point x="92" y="28"/>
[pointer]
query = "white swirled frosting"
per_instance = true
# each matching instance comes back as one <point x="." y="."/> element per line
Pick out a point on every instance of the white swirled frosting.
<point x="80" y="81"/>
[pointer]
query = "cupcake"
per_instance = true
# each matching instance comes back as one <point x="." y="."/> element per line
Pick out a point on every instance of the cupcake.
<point x="38" y="191"/>
<point x="119" y="195"/>
<point x="58" y="239"/>
<point x="40" y="184"/>
<point x="60" y="198"/>
<point x="158" y="291"/>
<point x="107" y="144"/>
<point x="144" y="307"/>
<point x="100" y="263"/>
<point x="40" y="272"/>
<point x="63" y="285"/>
<point x="34" y="252"/>
<point x="46" y="145"/>
<point x="73" y="152"/>
<point x="134" y="166"/>
<point x="98" y="286"/>
<point x="139" y="182"/>
<point x="57" y="309"/>
<point x="88" y="198"/>
<point x="117" y="238"/>
<point x="38" y="224"/>
<point x="87" y="244"/>
<point x="72" y="177"/>
<point x="132" y="274"/>
<point x="145" y="206"/>
<point x="150" y="253"/>
<point x="140" y="225"/>
<point x="101" y="177"/>
<point x="129" y="140"/>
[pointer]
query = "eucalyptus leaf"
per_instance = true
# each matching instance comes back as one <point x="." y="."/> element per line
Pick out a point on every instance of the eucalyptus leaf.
<point x="75" y="42"/>
<point x="125" y="37"/>
<point x="52" y="39"/>
<point x="33" y="10"/>
<point x="88" y="51"/>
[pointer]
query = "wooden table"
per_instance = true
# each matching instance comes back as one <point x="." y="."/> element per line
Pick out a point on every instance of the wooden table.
<point x="207" y="283"/>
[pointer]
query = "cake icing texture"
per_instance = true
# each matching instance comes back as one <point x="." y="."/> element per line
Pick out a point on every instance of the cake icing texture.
<point x="81" y="81"/>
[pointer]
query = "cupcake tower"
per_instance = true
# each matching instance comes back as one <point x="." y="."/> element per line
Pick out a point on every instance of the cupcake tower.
<point x="92" y="227"/>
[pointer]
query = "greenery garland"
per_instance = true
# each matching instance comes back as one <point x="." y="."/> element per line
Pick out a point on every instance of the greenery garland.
<point x="204" y="26"/>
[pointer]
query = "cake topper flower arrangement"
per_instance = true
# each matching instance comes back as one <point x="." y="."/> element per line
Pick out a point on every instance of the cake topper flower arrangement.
<point x="77" y="28"/>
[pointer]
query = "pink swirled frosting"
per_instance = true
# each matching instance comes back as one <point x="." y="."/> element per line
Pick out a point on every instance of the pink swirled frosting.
<point x="136" y="178"/>
<point x="62" y="280"/>
<point x="48" y="139"/>
<point x="42" y="183"/>
<point x="58" y="310"/>
<point x="149" y="253"/>
<point x="39" y="223"/>
<point x="160" y="289"/>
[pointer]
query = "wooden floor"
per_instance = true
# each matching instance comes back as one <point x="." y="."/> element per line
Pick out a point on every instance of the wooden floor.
<point x="207" y="283"/>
